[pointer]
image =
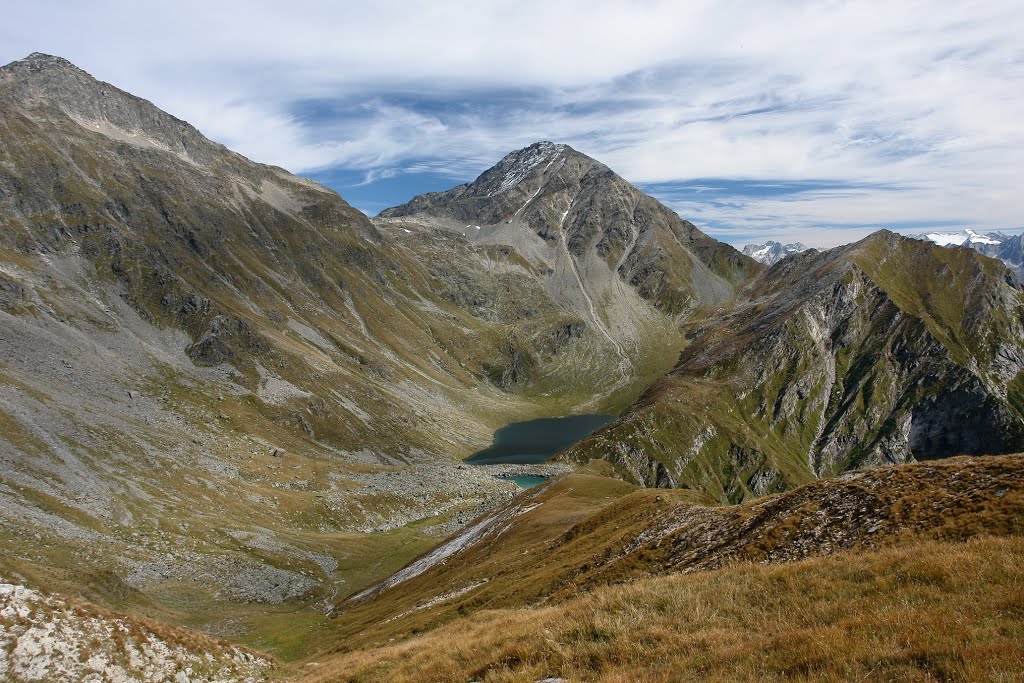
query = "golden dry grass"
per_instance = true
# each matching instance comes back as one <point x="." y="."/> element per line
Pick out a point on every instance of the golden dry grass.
<point x="591" y="532"/>
<point x="929" y="611"/>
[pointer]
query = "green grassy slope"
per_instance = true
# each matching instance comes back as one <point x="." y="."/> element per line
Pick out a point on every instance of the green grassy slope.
<point x="921" y="612"/>
<point x="882" y="351"/>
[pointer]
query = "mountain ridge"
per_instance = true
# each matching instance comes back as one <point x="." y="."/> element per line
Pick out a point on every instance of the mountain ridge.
<point x="227" y="398"/>
<point x="1007" y="248"/>
<point x="771" y="252"/>
<point x="831" y="360"/>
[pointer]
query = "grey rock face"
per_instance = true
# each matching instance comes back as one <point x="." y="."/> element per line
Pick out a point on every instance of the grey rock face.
<point x="772" y="252"/>
<point x="566" y="197"/>
<point x="830" y="361"/>
<point x="48" y="82"/>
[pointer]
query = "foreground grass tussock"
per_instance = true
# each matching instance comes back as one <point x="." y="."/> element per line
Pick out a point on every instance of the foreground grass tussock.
<point x="930" y="611"/>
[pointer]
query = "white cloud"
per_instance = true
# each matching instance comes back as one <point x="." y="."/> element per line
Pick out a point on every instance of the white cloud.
<point x="927" y="96"/>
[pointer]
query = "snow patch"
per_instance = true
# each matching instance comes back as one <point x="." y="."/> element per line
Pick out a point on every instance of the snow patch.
<point x="982" y="239"/>
<point x="957" y="239"/>
<point x="946" y="239"/>
<point x="535" y="156"/>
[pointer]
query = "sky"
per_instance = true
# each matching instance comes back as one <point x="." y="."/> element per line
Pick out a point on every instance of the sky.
<point x="812" y="121"/>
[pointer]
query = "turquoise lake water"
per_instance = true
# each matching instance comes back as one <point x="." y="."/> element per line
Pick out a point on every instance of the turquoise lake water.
<point x="526" y="482"/>
<point x="534" y="441"/>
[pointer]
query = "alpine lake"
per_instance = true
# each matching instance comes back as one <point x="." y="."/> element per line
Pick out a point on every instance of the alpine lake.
<point x="535" y="441"/>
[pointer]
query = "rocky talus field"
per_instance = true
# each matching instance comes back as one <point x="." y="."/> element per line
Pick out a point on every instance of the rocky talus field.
<point x="234" y="412"/>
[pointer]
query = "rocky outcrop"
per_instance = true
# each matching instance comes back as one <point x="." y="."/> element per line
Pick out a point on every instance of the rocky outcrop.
<point x="49" y="637"/>
<point x="863" y="355"/>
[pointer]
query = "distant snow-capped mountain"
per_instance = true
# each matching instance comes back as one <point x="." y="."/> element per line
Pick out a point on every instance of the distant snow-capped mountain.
<point x="772" y="252"/>
<point x="1007" y="248"/>
<point x="962" y="238"/>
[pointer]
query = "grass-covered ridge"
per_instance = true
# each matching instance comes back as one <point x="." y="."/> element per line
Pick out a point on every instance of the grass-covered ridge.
<point x="959" y="293"/>
<point x="924" y="611"/>
<point x="586" y="531"/>
<point x="882" y="351"/>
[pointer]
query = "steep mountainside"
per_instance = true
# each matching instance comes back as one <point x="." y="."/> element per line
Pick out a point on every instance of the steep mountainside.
<point x="882" y="351"/>
<point x="613" y="256"/>
<point x="216" y="378"/>
<point x="771" y="252"/>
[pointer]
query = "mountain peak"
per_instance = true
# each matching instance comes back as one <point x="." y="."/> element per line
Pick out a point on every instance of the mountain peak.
<point x="517" y="178"/>
<point x="583" y="211"/>
<point x="771" y="252"/>
<point x="53" y="87"/>
<point x="39" y="62"/>
<point x="518" y="165"/>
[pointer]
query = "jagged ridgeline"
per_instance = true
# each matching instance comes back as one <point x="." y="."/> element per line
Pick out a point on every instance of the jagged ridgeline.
<point x="886" y="350"/>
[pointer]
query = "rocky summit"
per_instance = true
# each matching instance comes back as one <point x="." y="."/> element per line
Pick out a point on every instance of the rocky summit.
<point x="772" y="252"/>
<point x="230" y="403"/>
<point x="588" y="226"/>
